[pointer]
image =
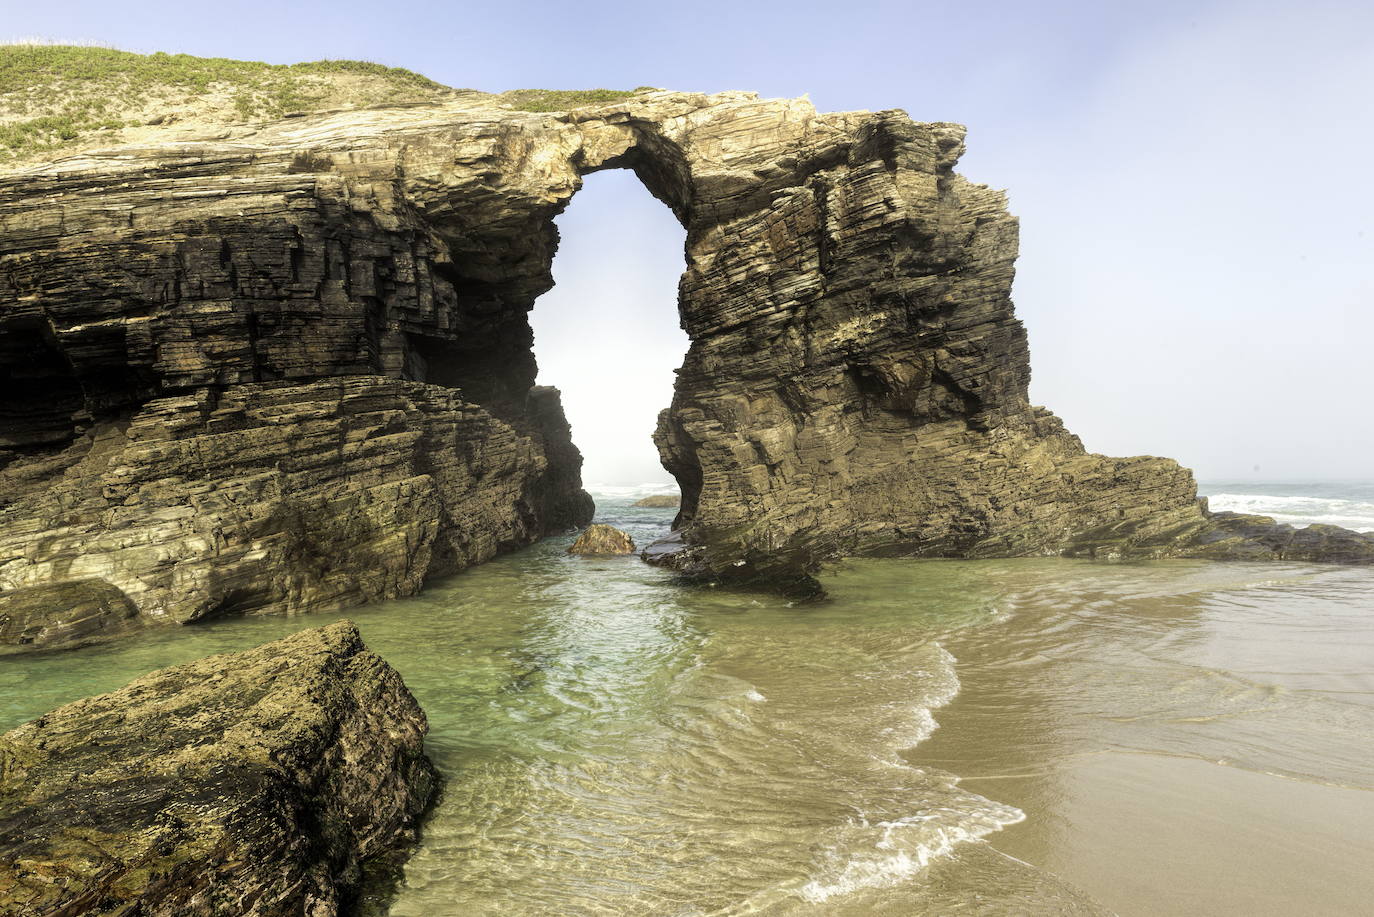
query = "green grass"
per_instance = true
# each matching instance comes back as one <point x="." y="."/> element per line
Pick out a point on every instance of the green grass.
<point x="53" y="95"/>
<point x="565" y="99"/>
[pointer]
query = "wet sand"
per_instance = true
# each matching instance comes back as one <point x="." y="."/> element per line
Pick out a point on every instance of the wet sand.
<point x="1108" y="718"/>
<point x="1151" y="834"/>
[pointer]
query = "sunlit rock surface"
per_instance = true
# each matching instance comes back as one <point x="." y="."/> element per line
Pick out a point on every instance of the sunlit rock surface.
<point x="64" y="613"/>
<point x="288" y="366"/>
<point x="286" y="497"/>
<point x="602" y="539"/>
<point x="252" y="783"/>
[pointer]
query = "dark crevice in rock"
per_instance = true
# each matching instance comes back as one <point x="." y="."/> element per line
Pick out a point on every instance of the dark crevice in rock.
<point x="825" y="255"/>
<point x="48" y="398"/>
<point x="237" y="366"/>
<point x="40" y="396"/>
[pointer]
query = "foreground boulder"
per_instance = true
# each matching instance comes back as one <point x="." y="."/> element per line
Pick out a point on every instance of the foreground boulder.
<point x="250" y="783"/>
<point x="602" y="539"/>
<point x="659" y="501"/>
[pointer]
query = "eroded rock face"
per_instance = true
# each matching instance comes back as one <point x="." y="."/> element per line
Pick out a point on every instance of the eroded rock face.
<point x="1239" y="536"/>
<point x="270" y="497"/>
<point x="255" y="783"/>
<point x="856" y="381"/>
<point x="602" y="539"/>
<point x="64" y="614"/>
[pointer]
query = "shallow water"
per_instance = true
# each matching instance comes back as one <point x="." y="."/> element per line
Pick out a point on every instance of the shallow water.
<point x="1176" y="737"/>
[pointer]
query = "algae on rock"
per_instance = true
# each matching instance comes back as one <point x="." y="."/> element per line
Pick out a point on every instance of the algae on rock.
<point x="288" y="365"/>
<point x="255" y="783"/>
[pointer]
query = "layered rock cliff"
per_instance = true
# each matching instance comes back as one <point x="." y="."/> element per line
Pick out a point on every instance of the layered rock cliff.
<point x="288" y="365"/>
<point x="256" y="783"/>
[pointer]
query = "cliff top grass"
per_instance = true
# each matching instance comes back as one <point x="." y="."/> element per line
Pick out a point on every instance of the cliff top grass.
<point x="565" y="99"/>
<point x="57" y="95"/>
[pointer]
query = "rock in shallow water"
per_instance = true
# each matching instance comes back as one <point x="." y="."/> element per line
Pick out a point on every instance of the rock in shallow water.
<point x="1238" y="536"/>
<point x="251" y="783"/>
<point x="280" y="497"/>
<point x="659" y="501"/>
<point x="602" y="539"/>
<point x="64" y="614"/>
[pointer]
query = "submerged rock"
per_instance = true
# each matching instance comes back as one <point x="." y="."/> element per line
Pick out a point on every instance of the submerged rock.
<point x="64" y="614"/>
<point x="1239" y="536"/>
<point x="250" y="783"/>
<point x="660" y="501"/>
<point x="602" y="539"/>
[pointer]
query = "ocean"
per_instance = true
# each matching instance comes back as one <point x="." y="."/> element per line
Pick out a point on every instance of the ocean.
<point x="1029" y="736"/>
<point x="1349" y="504"/>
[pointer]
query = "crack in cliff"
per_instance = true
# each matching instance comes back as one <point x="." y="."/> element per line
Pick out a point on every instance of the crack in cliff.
<point x="856" y="380"/>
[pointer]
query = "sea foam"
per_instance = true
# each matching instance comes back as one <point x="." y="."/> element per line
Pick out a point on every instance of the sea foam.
<point x="1299" y="510"/>
<point x="875" y="852"/>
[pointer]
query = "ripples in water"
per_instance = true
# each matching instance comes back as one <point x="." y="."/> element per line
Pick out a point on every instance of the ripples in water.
<point x="617" y="743"/>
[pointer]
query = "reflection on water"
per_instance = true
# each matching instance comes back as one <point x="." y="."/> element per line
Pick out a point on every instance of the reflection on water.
<point x="617" y="743"/>
<point x="1185" y="737"/>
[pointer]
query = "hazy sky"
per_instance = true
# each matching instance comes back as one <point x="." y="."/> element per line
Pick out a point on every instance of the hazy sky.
<point x="1194" y="180"/>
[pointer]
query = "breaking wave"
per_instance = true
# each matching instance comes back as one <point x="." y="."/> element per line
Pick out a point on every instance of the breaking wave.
<point x="1299" y="510"/>
<point x="630" y="491"/>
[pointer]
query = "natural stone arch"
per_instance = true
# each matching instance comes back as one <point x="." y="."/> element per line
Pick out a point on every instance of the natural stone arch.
<point x="856" y="380"/>
<point x="846" y="294"/>
<point x="322" y="324"/>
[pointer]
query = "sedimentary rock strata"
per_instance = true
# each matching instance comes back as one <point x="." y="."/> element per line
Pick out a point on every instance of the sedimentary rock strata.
<point x="275" y="496"/>
<point x="257" y="783"/>
<point x="260" y="351"/>
<point x="1239" y="536"/>
<point x="64" y="613"/>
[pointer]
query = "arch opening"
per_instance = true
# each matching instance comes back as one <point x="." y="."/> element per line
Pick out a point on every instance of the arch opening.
<point x="608" y="334"/>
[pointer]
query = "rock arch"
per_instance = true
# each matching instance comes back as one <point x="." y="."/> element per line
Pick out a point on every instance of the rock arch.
<point x="326" y="318"/>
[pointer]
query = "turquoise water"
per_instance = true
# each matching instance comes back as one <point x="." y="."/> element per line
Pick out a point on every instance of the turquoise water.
<point x="928" y="740"/>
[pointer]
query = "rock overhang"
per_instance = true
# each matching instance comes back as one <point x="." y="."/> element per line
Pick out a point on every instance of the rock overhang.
<point x="856" y="380"/>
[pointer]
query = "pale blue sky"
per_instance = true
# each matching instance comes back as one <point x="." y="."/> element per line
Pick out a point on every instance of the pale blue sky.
<point x="1193" y="180"/>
